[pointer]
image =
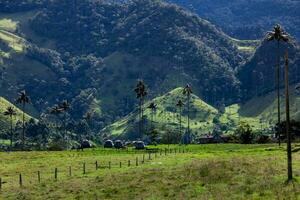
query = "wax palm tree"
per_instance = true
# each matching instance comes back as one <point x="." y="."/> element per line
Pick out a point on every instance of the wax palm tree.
<point x="180" y="104"/>
<point x="153" y="108"/>
<point x="278" y="35"/>
<point x="141" y="93"/>
<point x="287" y="107"/>
<point x="10" y="111"/>
<point x="187" y="91"/>
<point x="65" y="106"/>
<point x="56" y="110"/>
<point x="23" y="99"/>
<point x="88" y="118"/>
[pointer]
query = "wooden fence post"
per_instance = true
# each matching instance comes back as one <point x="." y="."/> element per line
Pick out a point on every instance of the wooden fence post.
<point x="96" y="165"/>
<point x="137" y="161"/>
<point x="143" y="159"/>
<point x="39" y="176"/>
<point x="84" y="168"/>
<point x="70" y="171"/>
<point x="55" y="174"/>
<point x="20" y="180"/>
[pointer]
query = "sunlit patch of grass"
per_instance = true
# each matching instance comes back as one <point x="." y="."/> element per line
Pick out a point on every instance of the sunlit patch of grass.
<point x="8" y="25"/>
<point x="246" y="48"/>
<point x="245" y="45"/>
<point x="13" y="41"/>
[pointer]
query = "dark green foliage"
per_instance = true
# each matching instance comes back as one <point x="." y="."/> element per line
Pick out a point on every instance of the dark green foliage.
<point x="38" y="133"/>
<point x="11" y="6"/>
<point x="244" y="133"/>
<point x="262" y="138"/>
<point x="246" y="19"/>
<point x="294" y="128"/>
<point x="151" y="29"/>
<point x="257" y="75"/>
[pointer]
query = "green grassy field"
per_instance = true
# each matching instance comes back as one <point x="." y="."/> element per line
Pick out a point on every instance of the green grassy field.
<point x="216" y="171"/>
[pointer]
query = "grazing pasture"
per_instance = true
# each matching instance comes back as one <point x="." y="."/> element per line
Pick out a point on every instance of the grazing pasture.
<point x="215" y="171"/>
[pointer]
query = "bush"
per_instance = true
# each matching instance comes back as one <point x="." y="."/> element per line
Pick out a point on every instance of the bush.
<point x="57" y="146"/>
<point x="244" y="133"/>
<point x="262" y="139"/>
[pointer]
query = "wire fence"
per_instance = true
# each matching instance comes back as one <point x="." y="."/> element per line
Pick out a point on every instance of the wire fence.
<point x="126" y="159"/>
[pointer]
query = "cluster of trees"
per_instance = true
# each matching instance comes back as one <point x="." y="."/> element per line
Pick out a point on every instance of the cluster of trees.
<point x="169" y="136"/>
<point x="54" y="129"/>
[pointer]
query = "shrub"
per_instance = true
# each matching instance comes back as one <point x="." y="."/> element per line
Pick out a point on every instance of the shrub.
<point x="244" y="133"/>
<point x="57" y="146"/>
<point x="262" y="139"/>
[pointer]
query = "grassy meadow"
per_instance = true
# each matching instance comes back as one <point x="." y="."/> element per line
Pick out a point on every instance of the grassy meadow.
<point x="216" y="171"/>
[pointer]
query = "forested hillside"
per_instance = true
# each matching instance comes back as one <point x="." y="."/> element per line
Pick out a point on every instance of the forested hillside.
<point x="91" y="53"/>
<point x="246" y="19"/>
<point x="258" y="74"/>
<point x="98" y="50"/>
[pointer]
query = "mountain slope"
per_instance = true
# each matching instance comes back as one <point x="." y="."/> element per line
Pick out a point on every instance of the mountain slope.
<point x="205" y="119"/>
<point x="245" y="19"/>
<point x="5" y="120"/>
<point x="166" y="117"/>
<point x="257" y="75"/>
<point x="98" y="50"/>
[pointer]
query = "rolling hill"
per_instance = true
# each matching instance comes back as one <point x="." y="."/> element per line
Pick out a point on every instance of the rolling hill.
<point x="205" y="119"/>
<point x="4" y="120"/>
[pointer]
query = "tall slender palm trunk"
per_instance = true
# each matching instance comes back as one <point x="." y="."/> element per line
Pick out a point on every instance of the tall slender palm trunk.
<point x="180" y="128"/>
<point x="152" y="117"/>
<point x="11" y="131"/>
<point x="288" y="133"/>
<point x="23" y="127"/>
<point x="189" y="136"/>
<point x="278" y="92"/>
<point x="140" y="117"/>
<point x="65" y="127"/>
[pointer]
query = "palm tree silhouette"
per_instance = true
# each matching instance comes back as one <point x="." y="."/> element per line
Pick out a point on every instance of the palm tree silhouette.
<point x="180" y="104"/>
<point x="141" y="93"/>
<point x="23" y="99"/>
<point x="188" y="91"/>
<point x="278" y="35"/>
<point x="88" y="118"/>
<point x="56" y="110"/>
<point x="65" y="106"/>
<point x="153" y="108"/>
<point x="287" y="111"/>
<point x="10" y="111"/>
